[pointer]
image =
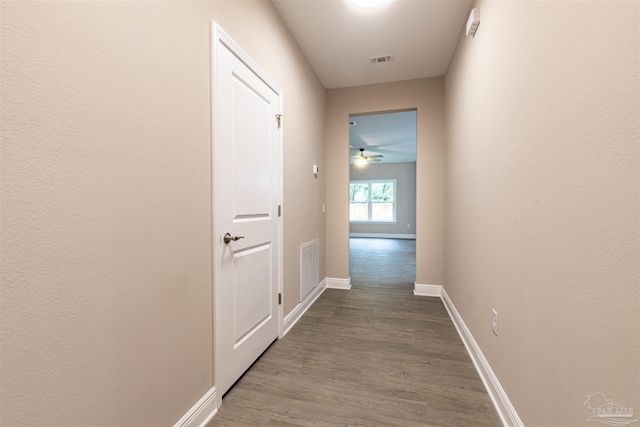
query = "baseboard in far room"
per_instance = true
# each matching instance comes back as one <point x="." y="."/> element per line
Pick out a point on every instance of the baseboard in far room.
<point x="501" y="402"/>
<point x="427" y="290"/>
<point x="383" y="235"/>
<point x="334" y="283"/>
<point x="201" y="413"/>
<point x="295" y="314"/>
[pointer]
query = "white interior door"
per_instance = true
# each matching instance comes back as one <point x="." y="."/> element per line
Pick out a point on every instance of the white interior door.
<point x="247" y="196"/>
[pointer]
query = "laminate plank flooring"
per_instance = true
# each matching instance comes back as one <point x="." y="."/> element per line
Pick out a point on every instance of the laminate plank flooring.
<point x="382" y="262"/>
<point x="375" y="355"/>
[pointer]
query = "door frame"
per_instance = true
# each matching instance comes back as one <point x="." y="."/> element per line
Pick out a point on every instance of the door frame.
<point x="219" y="36"/>
<point x="373" y="113"/>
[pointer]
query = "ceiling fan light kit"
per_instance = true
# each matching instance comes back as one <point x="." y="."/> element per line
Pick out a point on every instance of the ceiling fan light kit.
<point x="361" y="160"/>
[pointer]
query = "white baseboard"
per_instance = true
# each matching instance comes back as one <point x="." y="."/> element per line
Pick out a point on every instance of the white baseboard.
<point x="427" y="290"/>
<point x="384" y="235"/>
<point x="498" y="396"/>
<point x="334" y="283"/>
<point x="295" y="314"/>
<point x="200" y="413"/>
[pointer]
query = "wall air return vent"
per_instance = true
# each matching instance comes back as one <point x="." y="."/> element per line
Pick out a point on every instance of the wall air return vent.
<point x="380" y="59"/>
<point x="309" y="268"/>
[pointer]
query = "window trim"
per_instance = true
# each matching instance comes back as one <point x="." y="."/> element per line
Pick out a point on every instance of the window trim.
<point x="369" y="201"/>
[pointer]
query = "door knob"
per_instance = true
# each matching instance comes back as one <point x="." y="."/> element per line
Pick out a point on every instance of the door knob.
<point x="228" y="238"/>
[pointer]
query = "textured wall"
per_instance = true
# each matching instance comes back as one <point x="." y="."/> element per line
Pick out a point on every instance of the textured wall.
<point x="542" y="201"/>
<point x="425" y="95"/>
<point x="106" y="303"/>
<point x="405" y="176"/>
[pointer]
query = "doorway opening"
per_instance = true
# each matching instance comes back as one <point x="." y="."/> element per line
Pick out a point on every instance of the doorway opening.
<point x="382" y="199"/>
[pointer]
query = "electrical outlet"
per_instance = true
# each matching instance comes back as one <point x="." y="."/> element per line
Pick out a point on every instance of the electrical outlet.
<point x="494" y="322"/>
<point x="408" y="225"/>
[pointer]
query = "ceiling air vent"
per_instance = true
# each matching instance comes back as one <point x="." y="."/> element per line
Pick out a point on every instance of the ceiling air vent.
<point x="381" y="59"/>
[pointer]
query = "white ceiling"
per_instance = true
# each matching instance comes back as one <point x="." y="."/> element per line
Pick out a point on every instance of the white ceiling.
<point x="392" y="135"/>
<point x="338" y="38"/>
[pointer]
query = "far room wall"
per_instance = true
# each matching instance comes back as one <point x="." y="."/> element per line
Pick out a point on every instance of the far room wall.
<point x="405" y="176"/>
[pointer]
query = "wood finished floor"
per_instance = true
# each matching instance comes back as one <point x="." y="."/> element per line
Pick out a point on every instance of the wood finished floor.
<point x="372" y="356"/>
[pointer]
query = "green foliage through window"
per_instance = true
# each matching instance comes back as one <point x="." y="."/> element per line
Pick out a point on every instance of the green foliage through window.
<point x="359" y="193"/>
<point x="382" y="192"/>
<point x="372" y="201"/>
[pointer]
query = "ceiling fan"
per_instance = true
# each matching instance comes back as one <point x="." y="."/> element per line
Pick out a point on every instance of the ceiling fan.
<point x="362" y="158"/>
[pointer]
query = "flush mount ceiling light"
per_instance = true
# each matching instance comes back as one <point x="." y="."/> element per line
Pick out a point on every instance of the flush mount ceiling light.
<point x="368" y="4"/>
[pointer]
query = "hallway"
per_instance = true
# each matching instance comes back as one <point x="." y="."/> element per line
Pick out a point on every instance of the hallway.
<point x="374" y="355"/>
<point x="527" y="197"/>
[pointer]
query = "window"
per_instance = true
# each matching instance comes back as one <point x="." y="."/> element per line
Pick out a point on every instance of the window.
<point x="372" y="201"/>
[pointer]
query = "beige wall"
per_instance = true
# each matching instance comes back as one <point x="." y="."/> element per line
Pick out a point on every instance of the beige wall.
<point x="542" y="201"/>
<point x="106" y="263"/>
<point x="405" y="176"/>
<point x="425" y="95"/>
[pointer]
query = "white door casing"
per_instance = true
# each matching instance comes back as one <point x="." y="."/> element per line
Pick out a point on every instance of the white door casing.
<point x="247" y="188"/>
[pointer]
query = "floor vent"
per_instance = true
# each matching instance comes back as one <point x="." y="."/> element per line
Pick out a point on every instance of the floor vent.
<point x="309" y="268"/>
